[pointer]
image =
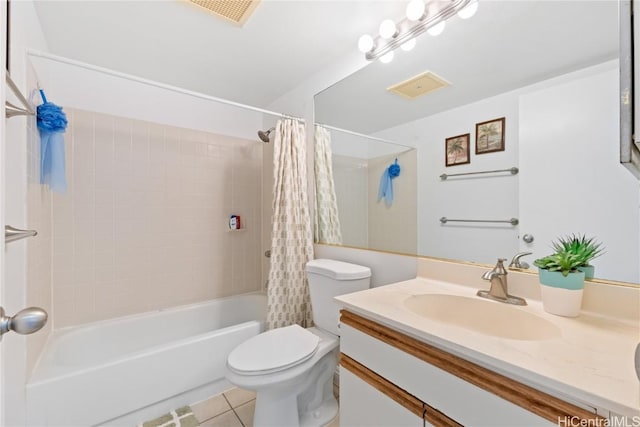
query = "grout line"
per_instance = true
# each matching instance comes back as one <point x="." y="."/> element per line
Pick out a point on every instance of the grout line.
<point x="233" y="409"/>
<point x="200" y="422"/>
<point x="238" y="417"/>
<point x="225" y="398"/>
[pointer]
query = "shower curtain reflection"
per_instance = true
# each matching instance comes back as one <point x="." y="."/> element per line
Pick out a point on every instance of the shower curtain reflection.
<point x="327" y="224"/>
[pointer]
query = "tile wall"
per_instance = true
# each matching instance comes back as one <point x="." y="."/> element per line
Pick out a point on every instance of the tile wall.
<point x="350" y="176"/>
<point x="394" y="228"/>
<point x="144" y="223"/>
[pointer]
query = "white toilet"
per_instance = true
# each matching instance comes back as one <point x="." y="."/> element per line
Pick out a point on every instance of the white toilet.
<point x="292" y="368"/>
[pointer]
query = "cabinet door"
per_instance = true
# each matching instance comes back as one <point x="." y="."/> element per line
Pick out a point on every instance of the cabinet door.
<point x="363" y="405"/>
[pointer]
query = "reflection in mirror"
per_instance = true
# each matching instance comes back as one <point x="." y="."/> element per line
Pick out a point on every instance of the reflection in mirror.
<point x="360" y="166"/>
<point x="551" y="70"/>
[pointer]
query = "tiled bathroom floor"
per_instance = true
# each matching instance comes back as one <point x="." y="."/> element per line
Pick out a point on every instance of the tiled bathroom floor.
<point x="232" y="408"/>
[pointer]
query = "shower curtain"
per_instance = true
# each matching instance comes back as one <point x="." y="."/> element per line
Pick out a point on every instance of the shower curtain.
<point x="291" y="236"/>
<point x="327" y="226"/>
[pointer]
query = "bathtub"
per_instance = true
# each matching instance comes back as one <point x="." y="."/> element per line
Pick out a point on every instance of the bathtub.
<point x="131" y="369"/>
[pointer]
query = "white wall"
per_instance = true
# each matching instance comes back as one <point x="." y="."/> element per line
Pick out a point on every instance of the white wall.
<point x="86" y="87"/>
<point x="572" y="181"/>
<point x="475" y="197"/>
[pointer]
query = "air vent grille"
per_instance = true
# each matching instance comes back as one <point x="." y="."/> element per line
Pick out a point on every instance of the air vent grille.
<point x="419" y="85"/>
<point x="236" y="11"/>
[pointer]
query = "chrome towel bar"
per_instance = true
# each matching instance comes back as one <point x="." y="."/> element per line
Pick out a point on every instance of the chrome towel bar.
<point x="512" y="221"/>
<point x="513" y="171"/>
<point x="12" y="110"/>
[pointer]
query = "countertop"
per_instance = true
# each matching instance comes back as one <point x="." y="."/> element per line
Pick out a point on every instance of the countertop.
<point x="592" y="363"/>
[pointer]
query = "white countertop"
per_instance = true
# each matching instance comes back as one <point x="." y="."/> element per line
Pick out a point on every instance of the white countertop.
<point x="592" y="362"/>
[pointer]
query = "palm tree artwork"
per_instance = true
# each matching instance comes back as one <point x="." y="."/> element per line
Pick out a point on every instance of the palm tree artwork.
<point x="490" y="136"/>
<point x="457" y="150"/>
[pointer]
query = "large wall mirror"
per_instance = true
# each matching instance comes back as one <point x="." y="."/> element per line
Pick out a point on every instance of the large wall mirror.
<point x="533" y="87"/>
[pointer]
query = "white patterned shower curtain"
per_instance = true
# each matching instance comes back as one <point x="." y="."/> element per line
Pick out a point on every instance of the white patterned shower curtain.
<point x="327" y="225"/>
<point x="291" y="235"/>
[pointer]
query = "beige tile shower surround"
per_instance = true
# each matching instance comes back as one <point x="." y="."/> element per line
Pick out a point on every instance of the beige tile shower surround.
<point x="394" y="227"/>
<point x="144" y="223"/>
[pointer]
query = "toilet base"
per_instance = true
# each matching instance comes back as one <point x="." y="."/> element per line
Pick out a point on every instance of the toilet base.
<point x="322" y="415"/>
<point x="271" y="412"/>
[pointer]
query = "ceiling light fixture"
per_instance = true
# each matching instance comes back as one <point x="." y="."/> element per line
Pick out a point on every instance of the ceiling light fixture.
<point x="421" y="17"/>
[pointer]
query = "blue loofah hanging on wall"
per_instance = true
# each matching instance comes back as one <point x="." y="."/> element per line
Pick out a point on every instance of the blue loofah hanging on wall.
<point x="52" y="122"/>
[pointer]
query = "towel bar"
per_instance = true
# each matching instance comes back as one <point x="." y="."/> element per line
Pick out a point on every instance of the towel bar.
<point x="514" y="171"/>
<point x="512" y="221"/>
<point x="13" y="110"/>
<point x="11" y="234"/>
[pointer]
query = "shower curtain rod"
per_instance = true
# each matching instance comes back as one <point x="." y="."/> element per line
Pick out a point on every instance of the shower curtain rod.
<point x="350" y="132"/>
<point x="63" y="60"/>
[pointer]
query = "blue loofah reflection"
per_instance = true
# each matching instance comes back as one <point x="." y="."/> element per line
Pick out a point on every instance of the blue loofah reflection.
<point x="52" y="122"/>
<point x="386" y="186"/>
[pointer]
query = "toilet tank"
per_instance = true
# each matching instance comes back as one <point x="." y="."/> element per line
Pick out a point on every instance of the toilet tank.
<point x="329" y="278"/>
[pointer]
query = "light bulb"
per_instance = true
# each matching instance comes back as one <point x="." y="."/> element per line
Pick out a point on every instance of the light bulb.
<point x="387" y="29"/>
<point x="415" y="10"/>
<point x="408" y="45"/>
<point x="469" y="10"/>
<point x="365" y="43"/>
<point x="386" y="58"/>
<point x="437" y="29"/>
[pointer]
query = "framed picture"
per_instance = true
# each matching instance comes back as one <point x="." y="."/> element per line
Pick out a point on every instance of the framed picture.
<point x="490" y="136"/>
<point x="457" y="150"/>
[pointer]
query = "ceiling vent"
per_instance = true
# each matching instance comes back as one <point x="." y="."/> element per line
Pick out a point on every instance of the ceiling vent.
<point x="419" y="85"/>
<point x="236" y="11"/>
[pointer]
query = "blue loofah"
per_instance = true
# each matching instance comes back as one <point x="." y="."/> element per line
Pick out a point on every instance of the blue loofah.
<point x="51" y="118"/>
<point x="394" y="169"/>
<point x="386" y="186"/>
<point x="52" y="122"/>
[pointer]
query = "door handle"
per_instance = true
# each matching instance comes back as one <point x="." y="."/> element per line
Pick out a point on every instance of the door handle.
<point x="24" y="322"/>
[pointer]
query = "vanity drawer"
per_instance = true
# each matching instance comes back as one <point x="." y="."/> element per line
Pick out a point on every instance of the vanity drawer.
<point x="403" y="361"/>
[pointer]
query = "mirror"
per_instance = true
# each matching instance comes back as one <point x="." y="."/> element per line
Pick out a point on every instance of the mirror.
<point x="551" y="70"/>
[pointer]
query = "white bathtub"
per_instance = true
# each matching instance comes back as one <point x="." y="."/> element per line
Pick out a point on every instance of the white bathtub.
<point x="120" y="371"/>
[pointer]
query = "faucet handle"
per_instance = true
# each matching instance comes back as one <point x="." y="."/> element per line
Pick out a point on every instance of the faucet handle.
<point x="499" y="268"/>
<point x="515" y="262"/>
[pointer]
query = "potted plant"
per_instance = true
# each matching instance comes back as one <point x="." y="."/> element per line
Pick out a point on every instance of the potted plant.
<point x="584" y="248"/>
<point x="562" y="284"/>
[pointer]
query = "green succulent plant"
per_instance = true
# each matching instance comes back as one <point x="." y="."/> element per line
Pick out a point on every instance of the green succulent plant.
<point x="585" y="249"/>
<point x="571" y="252"/>
<point x="564" y="262"/>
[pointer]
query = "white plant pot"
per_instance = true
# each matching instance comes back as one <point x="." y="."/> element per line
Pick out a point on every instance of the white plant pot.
<point x="561" y="302"/>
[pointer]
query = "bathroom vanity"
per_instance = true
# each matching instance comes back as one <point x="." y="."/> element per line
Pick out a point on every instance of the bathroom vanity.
<point x="424" y="350"/>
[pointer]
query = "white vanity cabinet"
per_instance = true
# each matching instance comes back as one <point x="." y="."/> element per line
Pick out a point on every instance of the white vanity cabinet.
<point x="363" y="405"/>
<point x="388" y="378"/>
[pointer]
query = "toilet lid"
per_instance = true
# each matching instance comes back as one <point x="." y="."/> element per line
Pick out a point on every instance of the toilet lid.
<point x="273" y="351"/>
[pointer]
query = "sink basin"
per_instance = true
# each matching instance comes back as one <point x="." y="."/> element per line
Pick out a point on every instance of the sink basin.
<point x="483" y="316"/>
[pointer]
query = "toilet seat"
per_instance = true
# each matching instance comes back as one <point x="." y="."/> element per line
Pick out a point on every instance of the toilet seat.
<point x="273" y="351"/>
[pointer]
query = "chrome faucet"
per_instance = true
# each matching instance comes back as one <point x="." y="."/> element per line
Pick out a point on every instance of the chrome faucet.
<point x="499" y="290"/>
<point x="515" y="261"/>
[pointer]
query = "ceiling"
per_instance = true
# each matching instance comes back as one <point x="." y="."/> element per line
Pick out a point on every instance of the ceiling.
<point x="506" y="45"/>
<point x="177" y="43"/>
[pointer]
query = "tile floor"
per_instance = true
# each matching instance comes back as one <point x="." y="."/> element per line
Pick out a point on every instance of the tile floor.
<point x="232" y="408"/>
